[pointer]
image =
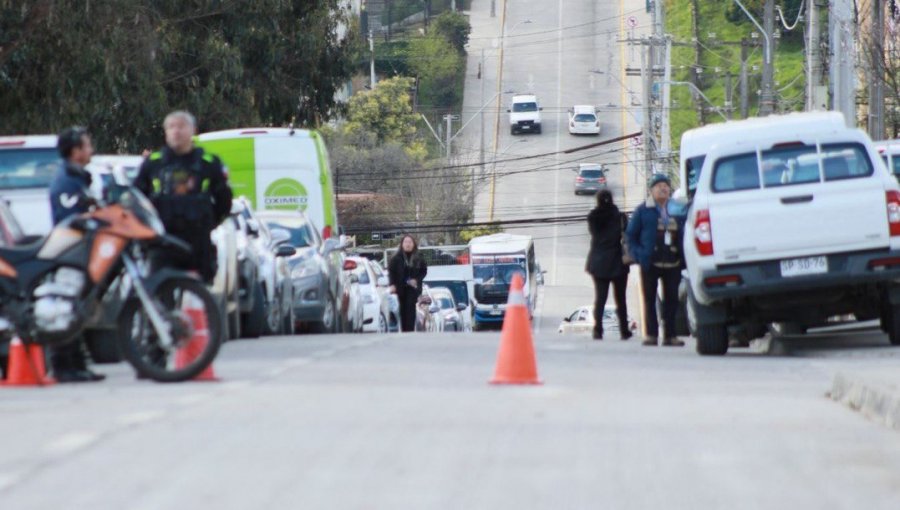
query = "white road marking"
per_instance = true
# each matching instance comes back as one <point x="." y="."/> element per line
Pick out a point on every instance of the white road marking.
<point x="70" y="442"/>
<point x="141" y="417"/>
<point x="558" y="134"/>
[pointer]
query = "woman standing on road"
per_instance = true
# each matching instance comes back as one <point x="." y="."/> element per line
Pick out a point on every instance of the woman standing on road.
<point x="407" y="270"/>
<point x="605" y="262"/>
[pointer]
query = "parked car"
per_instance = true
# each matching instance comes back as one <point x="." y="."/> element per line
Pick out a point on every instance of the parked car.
<point x="581" y="321"/>
<point x="448" y="309"/>
<point x="461" y="297"/>
<point x="226" y="285"/>
<point x="316" y="271"/>
<point x="428" y="313"/>
<point x="27" y="165"/>
<point x="355" y="301"/>
<point x="373" y="286"/>
<point x="524" y="114"/>
<point x="890" y="153"/>
<point x="754" y="243"/>
<point x="583" y="120"/>
<point x="590" y="178"/>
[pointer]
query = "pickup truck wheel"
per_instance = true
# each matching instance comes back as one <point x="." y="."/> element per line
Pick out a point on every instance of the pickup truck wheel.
<point x="538" y="131"/>
<point x="892" y="324"/>
<point x="712" y="340"/>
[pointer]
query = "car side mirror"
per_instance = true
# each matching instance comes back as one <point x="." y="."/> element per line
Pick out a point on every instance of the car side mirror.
<point x="236" y="207"/>
<point x="331" y="245"/>
<point x="253" y="227"/>
<point x="279" y="236"/>
<point x="567" y="319"/>
<point x="285" y="251"/>
<point x="383" y="282"/>
<point x="461" y="307"/>
<point x="541" y="109"/>
<point x="434" y="309"/>
<point x="508" y="110"/>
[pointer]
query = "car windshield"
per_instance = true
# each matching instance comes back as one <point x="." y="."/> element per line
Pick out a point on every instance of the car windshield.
<point x="444" y="301"/>
<point x="459" y="290"/>
<point x="585" y="117"/>
<point x="592" y="174"/>
<point x="27" y="168"/>
<point x="525" y="107"/>
<point x="301" y="236"/>
<point x="498" y="274"/>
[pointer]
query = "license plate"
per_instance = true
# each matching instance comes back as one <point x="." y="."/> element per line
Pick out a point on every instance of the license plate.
<point x="526" y="127"/>
<point x="496" y="312"/>
<point x="804" y="266"/>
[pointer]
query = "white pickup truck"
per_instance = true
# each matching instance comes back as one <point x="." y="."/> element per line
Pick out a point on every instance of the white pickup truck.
<point x="795" y="219"/>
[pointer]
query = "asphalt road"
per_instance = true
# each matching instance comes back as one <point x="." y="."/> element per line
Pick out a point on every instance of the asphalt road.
<point x="409" y="421"/>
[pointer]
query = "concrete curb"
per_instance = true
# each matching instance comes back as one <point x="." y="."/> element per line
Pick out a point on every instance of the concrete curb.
<point x="876" y="400"/>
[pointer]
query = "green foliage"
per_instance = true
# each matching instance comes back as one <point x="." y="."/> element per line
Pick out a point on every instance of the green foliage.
<point x="387" y="114"/>
<point x="455" y="28"/>
<point x="433" y="59"/>
<point x="471" y="233"/>
<point x="120" y="65"/>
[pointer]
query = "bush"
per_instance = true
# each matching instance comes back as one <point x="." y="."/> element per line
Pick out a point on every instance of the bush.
<point x="455" y="28"/>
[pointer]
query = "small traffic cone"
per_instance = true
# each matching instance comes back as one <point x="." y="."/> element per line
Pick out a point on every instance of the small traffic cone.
<point x="26" y="365"/>
<point x="185" y="355"/>
<point x="515" y="360"/>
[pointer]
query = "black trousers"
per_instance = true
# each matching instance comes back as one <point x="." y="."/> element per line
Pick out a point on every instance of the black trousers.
<point x="70" y="356"/>
<point x="650" y="281"/>
<point x="407" y="311"/>
<point x="601" y="292"/>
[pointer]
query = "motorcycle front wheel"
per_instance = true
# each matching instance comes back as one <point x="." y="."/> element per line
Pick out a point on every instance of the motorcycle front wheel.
<point x="195" y="325"/>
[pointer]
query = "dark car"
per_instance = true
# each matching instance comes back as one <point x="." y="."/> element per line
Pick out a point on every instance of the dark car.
<point x="591" y="178"/>
<point x="317" y="272"/>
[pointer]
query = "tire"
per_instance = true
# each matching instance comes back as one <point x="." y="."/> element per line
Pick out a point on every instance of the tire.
<point x="329" y="318"/>
<point x="513" y="131"/>
<point x="253" y="323"/>
<point x="289" y="324"/>
<point x="103" y="345"/>
<point x="234" y="318"/>
<point x="681" y="321"/>
<point x="893" y="324"/>
<point x="274" y="323"/>
<point x="538" y="130"/>
<point x="712" y="339"/>
<point x="138" y="341"/>
<point x="382" y="324"/>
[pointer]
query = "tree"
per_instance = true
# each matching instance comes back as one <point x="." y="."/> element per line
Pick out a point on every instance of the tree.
<point x="387" y="113"/>
<point x="439" y="71"/>
<point x="455" y="28"/>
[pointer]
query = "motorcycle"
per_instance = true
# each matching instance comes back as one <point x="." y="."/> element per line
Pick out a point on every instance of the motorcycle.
<point x="52" y="289"/>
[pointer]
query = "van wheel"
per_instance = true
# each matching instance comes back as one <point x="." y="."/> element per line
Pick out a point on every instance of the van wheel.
<point x="712" y="339"/>
<point x="892" y="324"/>
<point x="254" y="322"/>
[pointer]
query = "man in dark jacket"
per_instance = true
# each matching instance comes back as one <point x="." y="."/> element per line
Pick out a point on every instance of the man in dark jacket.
<point x="605" y="265"/>
<point x="70" y="195"/>
<point x="190" y="191"/>
<point x="655" y="241"/>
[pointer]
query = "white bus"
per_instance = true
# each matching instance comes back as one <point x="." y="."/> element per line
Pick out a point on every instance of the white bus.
<point x="495" y="260"/>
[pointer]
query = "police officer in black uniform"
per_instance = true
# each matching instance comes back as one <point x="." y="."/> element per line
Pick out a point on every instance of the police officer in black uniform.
<point x="190" y="190"/>
<point x="70" y="195"/>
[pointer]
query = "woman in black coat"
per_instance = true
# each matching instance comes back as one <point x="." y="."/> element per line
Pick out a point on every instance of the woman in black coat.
<point x="605" y="264"/>
<point x="407" y="270"/>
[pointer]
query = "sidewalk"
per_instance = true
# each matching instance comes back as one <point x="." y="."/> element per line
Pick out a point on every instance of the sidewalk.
<point x="873" y="392"/>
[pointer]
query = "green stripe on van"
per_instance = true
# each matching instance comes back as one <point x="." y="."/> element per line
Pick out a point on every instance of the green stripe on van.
<point x="239" y="156"/>
<point x="328" y="204"/>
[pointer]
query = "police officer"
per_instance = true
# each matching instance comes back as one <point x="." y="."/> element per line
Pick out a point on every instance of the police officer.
<point x="190" y="191"/>
<point x="70" y="195"/>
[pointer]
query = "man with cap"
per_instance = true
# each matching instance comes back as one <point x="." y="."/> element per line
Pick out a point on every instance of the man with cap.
<point x="655" y="237"/>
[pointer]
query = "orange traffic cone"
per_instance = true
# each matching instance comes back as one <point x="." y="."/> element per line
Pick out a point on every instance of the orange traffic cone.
<point x="26" y="365"/>
<point x="196" y="345"/>
<point x="515" y="360"/>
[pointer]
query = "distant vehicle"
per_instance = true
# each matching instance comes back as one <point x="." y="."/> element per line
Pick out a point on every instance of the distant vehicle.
<point x="890" y="153"/>
<point x="461" y="296"/>
<point x="279" y="169"/>
<point x="428" y="313"/>
<point x="495" y="259"/>
<point x="591" y="178"/>
<point x="27" y="165"/>
<point x="524" y="114"/>
<point x="316" y="271"/>
<point x="794" y="221"/>
<point x="355" y="303"/>
<point x="450" y="311"/>
<point x="581" y="321"/>
<point x="102" y="167"/>
<point x="373" y="286"/>
<point x="583" y="120"/>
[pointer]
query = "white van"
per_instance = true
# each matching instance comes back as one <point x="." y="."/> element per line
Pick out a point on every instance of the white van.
<point x="27" y="165"/>
<point x="524" y="114"/>
<point x="794" y="221"/>
<point x="279" y="169"/>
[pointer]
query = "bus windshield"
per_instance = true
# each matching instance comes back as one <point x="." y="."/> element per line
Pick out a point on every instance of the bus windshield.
<point x="498" y="270"/>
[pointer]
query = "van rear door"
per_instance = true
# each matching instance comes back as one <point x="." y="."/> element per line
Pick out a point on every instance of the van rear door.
<point x="796" y="201"/>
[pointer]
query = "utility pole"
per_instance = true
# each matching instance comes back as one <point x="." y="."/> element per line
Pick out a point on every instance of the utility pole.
<point x="842" y="45"/>
<point x="729" y="96"/>
<point x="453" y="5"/>
<point x="448" y="135"/>
<point x="493" y="8"/>
<point x="814" y="58"/>
<point x="767" y="97"/>
<point x="744" y="85"/>
<point x="647" y="80"/>
<point x="876" y="72"/>
<point x="481" y="152"/>
<point x="665" y="136"/>
<point x="372" y="60"/>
